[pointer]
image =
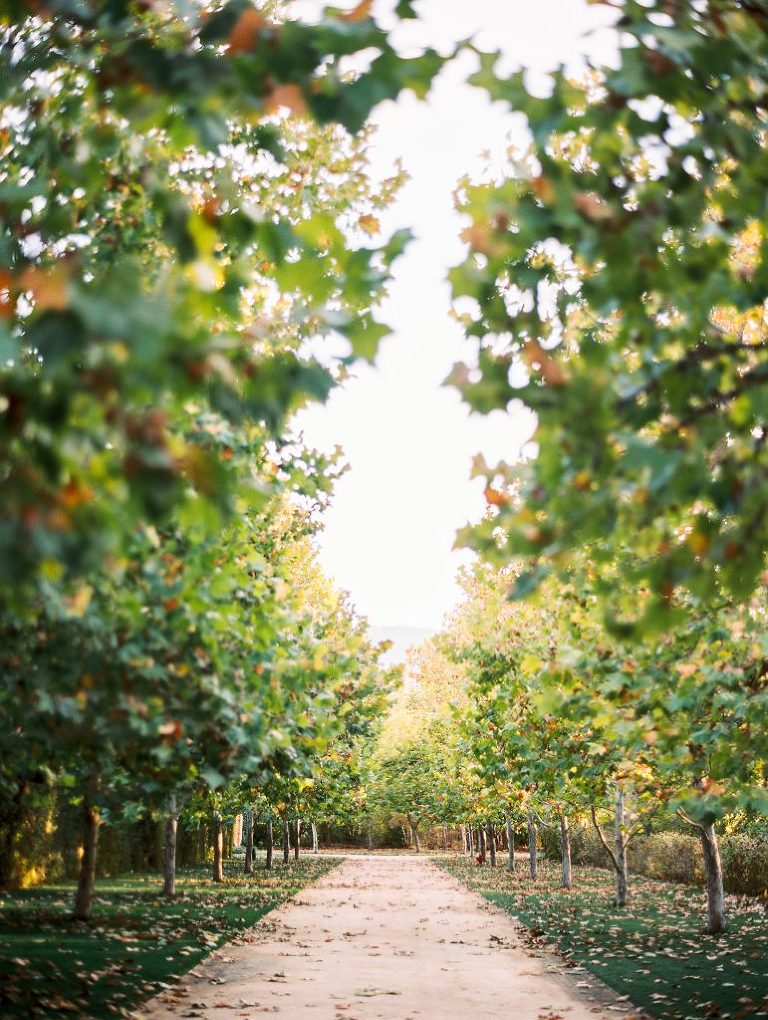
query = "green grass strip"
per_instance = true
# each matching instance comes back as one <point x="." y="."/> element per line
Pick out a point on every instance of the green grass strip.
<point x="654" y="951"/>
<point x="137" y="942"/>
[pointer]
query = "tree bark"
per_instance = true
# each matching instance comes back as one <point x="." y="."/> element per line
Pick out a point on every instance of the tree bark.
<point x="463" y="830"/>
<point x="533" y="838"/>
<point x="713" y="872"/>
<point x="315" y="843"/>
<point x="249" y="854"/>
<point x="481" y="840"/>
<point x="471" y="843"/>
<point x="270" y="844"/>
<point x="171" y="830"/>
<point x="218" y="848"/>
<point x="492" y="844"/>
<point x="297" y="844"/>
<point x="415" y="834"/>
<point x="286" y="841"/>
<point x="620" y="845"/>
<point x="369" y="838"/>
<point x="510" y="841"/>
<point x="565" y="851"/>
<point x="87" y="880"/>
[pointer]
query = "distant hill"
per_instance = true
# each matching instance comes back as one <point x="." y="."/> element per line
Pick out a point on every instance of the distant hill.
<point x="402" y="639"/>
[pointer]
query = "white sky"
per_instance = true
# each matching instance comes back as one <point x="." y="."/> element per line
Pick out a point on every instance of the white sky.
<point x="389" y="535"/>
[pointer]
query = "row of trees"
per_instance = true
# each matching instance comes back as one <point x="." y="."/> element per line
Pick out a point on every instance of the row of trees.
<point x="185" y="260"/>
<point x="615" y="282"/>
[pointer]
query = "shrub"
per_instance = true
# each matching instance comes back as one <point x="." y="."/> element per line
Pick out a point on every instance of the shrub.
<point x="745" y="864"/>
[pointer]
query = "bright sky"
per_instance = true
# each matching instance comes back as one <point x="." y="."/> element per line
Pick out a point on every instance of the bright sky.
<point x="389" y="535"/>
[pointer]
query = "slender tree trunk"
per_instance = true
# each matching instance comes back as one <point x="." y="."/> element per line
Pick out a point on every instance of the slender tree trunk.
<point x="249" y="854"/>
<point x="415" y="834"/>
<point x="463" y="830"/>
<point x="270" y="844"/>
<point x="510" y="841"/>
<point x="713" y="872"/>
<point x="471" y="842"/>
<point x="492" y="844"/>
<point x="315" y="843"/>
<point x="620" y="850"/>
<point x="171" y="830"/>
<point x="218" y="848"/>
<point x="297" y="834"/>
<point x="87" y="880"/>
<point x="565" y="851"/>
<point x="533" y="838"/>
<point x="481" y="840"/>
<point x="286" y="841"/>
<point x="445" y="837"/>
<point x="369" y="838"/>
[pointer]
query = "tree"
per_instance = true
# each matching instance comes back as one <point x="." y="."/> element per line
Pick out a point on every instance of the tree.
<point x="617" y="277"/>
<point x="153" y="200"/>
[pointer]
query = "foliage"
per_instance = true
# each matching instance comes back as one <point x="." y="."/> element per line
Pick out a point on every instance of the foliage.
<point x="169" y="237"/>
<point x="615" y="283"/>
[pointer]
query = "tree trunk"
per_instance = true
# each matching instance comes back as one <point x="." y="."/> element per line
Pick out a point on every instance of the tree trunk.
<point x="481" y="840"/>
<point x="463" y="830"/>
<point x="297" y="834"/>
<point x="369" y="838"/>
<point x="533" y="838"/>
<point x="171" y="829"/>
<point x="270" y="844"/>
<point x="471" y="842"/>
<point x="510" y="841"/>
<point x="492" y="844"/>
<point x="415" y="834"/>
<point x="565" y="851"/>
<point x="445" y="837"/>
<point x="249" y="854"/>
<point x="87" y="880"/>
<point x="286" y="841"/>
<point x="218" y="848"/>
<point x="713" y="871"/>
<point x="315" y="843"/>
<point x="620" y="849"/>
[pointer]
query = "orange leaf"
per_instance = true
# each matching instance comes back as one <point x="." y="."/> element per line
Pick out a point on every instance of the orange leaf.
<point x="359" y="13"/>
<point x="537" y="359"/>
<point x="49" y="287"/>
<point x="247" y="27"/>
<point x="289" y="97"/>
<point x="592" y="205"/>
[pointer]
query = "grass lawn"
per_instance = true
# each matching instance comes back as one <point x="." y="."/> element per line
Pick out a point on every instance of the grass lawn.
<point x="654" y="951"/>
<point x="135" y="944"/>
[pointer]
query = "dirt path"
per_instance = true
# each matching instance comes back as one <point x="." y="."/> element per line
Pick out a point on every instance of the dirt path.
<point x="381" y="938"/>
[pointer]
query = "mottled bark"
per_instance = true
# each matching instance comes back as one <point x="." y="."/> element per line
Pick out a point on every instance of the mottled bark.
<point x="533" y="839"/>
<point x="492" y="844"/>
<point x="270" y="844"/>
<point x="87" y="879"/>
<point x="713" y="873"/>
<point x="249" y="854"/>
<point x="169" y="857"/>
<point x="315" y="842"/>
<point x="510" y="841"/>
<point x="218" y="847"/>
<point x="286" y="841"/>
<point x="565" y="852"/>
<point x="297" y="839"/>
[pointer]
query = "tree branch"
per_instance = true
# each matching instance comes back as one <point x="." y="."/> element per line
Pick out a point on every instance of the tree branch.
<point x="604" y="841"/>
